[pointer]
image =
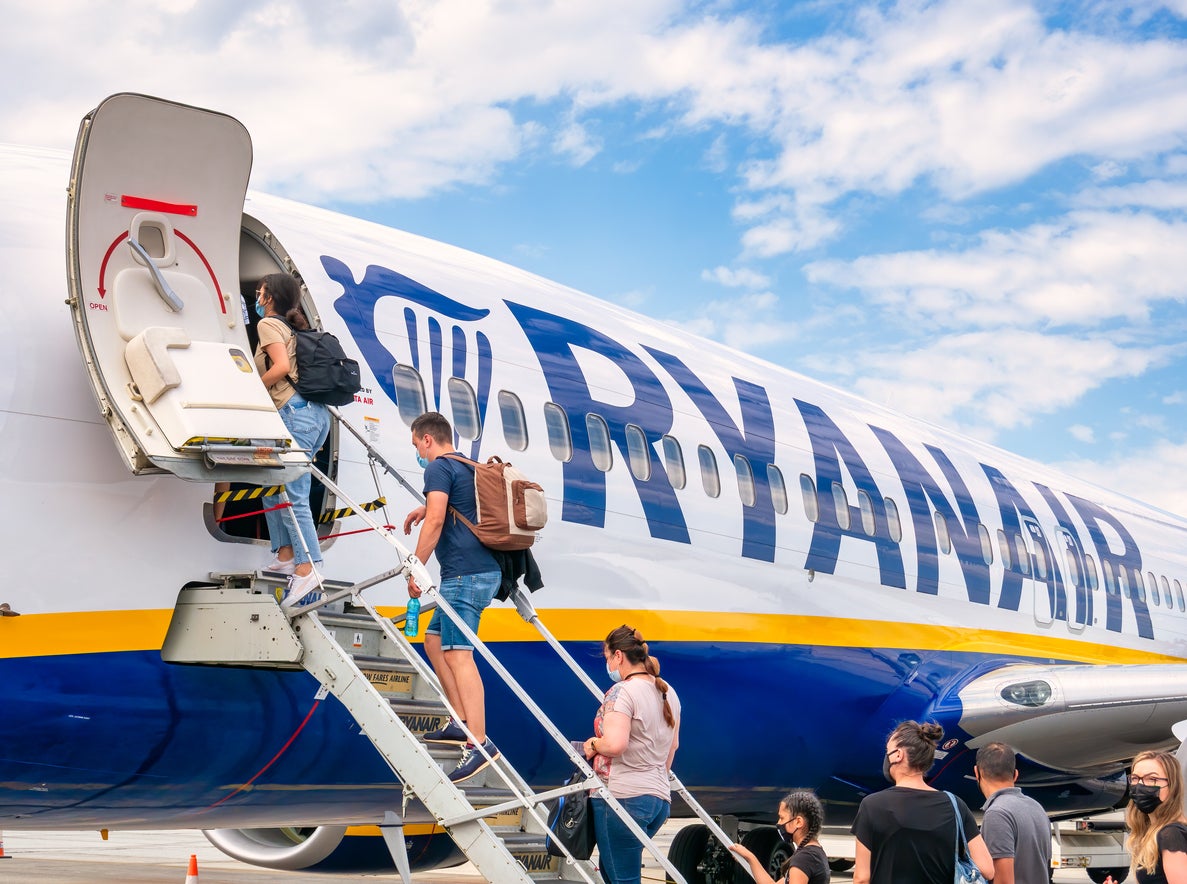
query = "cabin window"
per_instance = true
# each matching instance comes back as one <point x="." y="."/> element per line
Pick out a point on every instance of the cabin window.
<point x="1040" y="561"/>
<point x="942" y="536"/>
<point x="866" y="505"/>
<point x="466" y="422"/>
<point x="638" y="454"/>
<point x="674" y="461"/>
<point x="1179" y="595"/>
<point x="1152" y="587"/>
<point x="710" y="479"/>
<point x="599" y="442"/>
<point x="1168" y="599"/>
<point x="745" y="479"/>
<point x="1131" y="585"/>
<point x="1073" y="568"/>
<point x="778" y="489"/>
<point x="1090" y="572"/>
<point x="892" y="520"/>
<point x="808" y="494"/>
<point x="986" y="543"/>
<point x="410" y="393"/>
<point x="1022" y="557"/>
<point x="841" y="505"/>
<point x="560" y="440"/>
<point x="515" y="422"/>
<point x="1004" y="545"/>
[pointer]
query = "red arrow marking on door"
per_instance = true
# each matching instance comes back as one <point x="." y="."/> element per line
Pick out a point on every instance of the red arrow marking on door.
<point x="103" y="267"/>
<point x="197" y="251"/>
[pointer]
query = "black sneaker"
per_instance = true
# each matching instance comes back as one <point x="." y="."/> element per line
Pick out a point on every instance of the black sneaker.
<point x="472" y="761"/>
<point x="451" y="734"/>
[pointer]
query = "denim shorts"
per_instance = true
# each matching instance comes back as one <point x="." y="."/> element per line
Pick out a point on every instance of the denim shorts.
<point x="468" y="595"/>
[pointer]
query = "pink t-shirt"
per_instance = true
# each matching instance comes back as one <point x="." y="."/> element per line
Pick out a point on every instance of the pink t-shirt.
<point x="643" y="768"/>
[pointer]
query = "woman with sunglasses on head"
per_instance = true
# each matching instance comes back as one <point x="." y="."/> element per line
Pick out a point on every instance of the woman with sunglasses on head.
<point x="1157" y="839"/>
<point x="906" y="834"/>
<point x="801" y="816"/>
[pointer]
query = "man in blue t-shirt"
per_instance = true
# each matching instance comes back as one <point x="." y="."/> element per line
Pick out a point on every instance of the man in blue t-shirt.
<point x="470" y="578"/>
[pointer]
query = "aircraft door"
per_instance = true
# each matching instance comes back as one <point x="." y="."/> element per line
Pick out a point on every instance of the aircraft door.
<point x="1078" y="589"/>
<point x="1047" y="582"/>
<point x="155" y="208"/>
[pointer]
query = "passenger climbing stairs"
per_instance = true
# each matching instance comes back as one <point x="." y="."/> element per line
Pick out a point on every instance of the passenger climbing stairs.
<point x="364" y="659"/>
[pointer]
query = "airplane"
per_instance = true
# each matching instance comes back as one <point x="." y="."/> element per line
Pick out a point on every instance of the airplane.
<point x="810" y="568"/>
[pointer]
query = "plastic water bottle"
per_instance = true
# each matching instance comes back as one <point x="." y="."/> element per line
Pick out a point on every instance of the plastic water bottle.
<point x="412" y="618"/>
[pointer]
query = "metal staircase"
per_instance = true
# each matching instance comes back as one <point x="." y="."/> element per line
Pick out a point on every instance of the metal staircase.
<point x="364" y="660"/>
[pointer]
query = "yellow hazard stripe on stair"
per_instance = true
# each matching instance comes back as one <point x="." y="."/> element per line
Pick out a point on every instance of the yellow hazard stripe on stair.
<point x="248" y="493"/>
<point x="350" y="511"/>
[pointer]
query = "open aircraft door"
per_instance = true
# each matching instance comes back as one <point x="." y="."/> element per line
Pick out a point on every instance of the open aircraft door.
<point x="155" y="209"/>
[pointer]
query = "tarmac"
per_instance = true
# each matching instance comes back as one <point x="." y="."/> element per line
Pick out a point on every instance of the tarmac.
<point x="37" y="857"/>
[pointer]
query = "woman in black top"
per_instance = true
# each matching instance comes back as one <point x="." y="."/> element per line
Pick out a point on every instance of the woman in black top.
<point x="1157" y="828"/>
<point x="800" y="818"/>
<point x="906" y="834"/>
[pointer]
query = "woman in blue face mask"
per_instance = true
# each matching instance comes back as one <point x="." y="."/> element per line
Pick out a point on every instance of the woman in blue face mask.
<point x="800" y="819"/>
<point x="637" y="730"/>
<point x="1157" y="828"/>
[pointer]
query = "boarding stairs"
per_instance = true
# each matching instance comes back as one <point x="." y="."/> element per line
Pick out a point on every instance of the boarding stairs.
<point x="364" y="659"/>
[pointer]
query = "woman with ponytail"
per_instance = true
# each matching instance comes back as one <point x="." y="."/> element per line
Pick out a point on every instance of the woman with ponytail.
<point x="800" y="819"/>
<point x="636" y="732"/>
<point x="1157" y="839"/>
<point x="906" y="834"/>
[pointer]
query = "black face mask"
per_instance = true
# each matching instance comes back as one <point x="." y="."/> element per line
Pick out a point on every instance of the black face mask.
<point x="1145" y="798"/>
<point x="886" y="769"/>
<point x="786" y="837"/>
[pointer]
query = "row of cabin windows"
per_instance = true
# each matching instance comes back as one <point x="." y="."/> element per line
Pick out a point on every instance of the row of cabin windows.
<point x="411" y="402"/>
<point x="410" y="396"/>
<point x="1014" y="552"/>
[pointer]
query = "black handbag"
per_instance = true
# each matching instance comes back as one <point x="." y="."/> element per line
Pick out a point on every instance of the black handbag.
<point x="570" y="822"/>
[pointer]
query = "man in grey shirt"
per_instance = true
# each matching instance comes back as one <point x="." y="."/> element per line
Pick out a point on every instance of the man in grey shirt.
<point x="1016" y="829"/>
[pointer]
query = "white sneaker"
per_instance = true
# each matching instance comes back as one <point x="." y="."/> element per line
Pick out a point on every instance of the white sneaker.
<point x="302" y="591"/>
<point x="281" y="566"/>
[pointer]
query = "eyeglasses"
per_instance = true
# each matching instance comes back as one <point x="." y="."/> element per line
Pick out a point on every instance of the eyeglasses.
<point x="1148" y="780"/>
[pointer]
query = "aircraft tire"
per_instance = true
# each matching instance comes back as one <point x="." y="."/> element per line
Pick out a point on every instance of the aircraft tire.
<point x="841" y="865"/>
<point x="687" y="851"/>
<point x="765" y="843"/>
<point x="1099" y="875"/>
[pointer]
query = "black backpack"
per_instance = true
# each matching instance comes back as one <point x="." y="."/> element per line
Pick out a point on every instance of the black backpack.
<point x="324" y="372"/>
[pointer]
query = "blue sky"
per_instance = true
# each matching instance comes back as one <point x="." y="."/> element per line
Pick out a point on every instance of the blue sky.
<point x="972" y="211"/>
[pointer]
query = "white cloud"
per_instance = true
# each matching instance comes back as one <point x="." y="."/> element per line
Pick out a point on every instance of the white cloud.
<point x="743" y="277"/>
<point x="575" y="142"/>
<point x="985" y="382"/>
<point x="1156" y="474"/>
<point x="1081" y="433"/>
<point x="1081" y="270"/>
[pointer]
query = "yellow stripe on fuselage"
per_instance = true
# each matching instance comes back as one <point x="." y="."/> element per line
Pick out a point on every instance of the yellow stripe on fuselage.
<point x="98" y="632"/>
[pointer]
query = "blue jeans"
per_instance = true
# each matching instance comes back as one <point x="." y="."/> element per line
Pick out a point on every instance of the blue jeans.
<point x="468" y="595"/>
<point x="620" y="853"/>
<point x="309" y="424"/>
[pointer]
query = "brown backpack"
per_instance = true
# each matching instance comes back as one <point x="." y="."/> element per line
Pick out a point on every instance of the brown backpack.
<point x="511" y="507"/>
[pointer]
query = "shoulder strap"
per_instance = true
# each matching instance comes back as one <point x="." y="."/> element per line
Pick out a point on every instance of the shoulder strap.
<point x="961" y="844"/>
<point x="452" y="508"/>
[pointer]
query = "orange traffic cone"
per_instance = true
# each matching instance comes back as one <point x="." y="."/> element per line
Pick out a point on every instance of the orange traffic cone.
<point x="2" y="856"/>
<point x="191" y="875"/>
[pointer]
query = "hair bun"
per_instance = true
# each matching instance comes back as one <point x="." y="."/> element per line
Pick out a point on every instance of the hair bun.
<point x="931" y="731"/>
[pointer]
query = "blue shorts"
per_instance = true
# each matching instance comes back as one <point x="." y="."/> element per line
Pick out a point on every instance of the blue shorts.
<point x="468" y="595"/>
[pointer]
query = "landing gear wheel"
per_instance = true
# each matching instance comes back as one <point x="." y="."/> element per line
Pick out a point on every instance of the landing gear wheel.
<point x="1099" y="875"/>
<point x="841" y="865"/>
<point x="765" y="843"/>
<point x="687" y="851"/>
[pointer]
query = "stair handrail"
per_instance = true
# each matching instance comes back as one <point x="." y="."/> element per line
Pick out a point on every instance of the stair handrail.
<point x="415" y="568"/>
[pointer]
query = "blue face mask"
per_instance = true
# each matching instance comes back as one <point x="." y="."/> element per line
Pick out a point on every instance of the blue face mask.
<point x="424" y="464"/>
<point x="260" y="312"/>
<point x="614" y="674"/>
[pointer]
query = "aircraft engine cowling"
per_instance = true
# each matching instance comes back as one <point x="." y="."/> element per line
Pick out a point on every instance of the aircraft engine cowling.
<point x="286" y="849"/>
<point x="359" y="849"/>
